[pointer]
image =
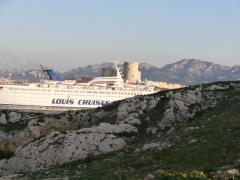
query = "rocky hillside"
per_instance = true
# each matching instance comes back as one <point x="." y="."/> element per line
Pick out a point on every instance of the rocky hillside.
<point x="185" y="72"/>
<point x="193" y="128"/>
<point x="194" y="71"/>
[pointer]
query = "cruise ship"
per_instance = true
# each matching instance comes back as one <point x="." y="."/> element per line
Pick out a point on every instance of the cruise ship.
<point x="57" y="92"/>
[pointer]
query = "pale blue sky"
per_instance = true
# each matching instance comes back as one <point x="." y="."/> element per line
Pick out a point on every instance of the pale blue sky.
<point x="66" y="34"/>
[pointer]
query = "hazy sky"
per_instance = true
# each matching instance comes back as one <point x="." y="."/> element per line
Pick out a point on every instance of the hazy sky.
<point x="66" y="34"/>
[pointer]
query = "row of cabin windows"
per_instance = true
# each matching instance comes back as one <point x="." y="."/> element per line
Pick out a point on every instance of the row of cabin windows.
<point x="27" y="89"/>
<point x="70" y="91"/>
<point x="29" y="97"/>
<point x="30" y="93"/>
<point x="78" y="94"/>
<point x="27" y="100"/>
<point x="111" y="95"/>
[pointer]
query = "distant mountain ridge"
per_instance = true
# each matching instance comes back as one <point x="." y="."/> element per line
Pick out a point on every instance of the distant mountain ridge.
<point x="194" y="71"/>
<point x="191" y="71"/>
<point x="185" y="72"/>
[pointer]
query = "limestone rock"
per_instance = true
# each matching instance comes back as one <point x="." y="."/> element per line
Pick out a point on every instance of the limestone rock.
<point x="150" y="146"/>
<point x="192" y="141"/>
<point x="169" y="94"/>
<point x="3" y="118"/>
<point x="152" y="130"/>
<point x="168" y="117"/>
<point x="57" y="148"/>
<point x="152" y="103"/>
<point x="131" y="120"/>
<point x="109" y="128"/>
<point x="140" y="112"/>
<point x="171" y="130"/>
<point x="34" y="128"/>
<point x="191" y="128"/>
<point x="143" y="105"/>
<point x="150" y="176"/>
<point x="215" y="87"/>
<point x="14" y="117"/>
<point x="137" y="150"/>
<point x="183" y="105"/>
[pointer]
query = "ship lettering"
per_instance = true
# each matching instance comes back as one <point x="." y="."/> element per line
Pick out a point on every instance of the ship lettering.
<point x="98" y="102"/>
<point x="92" y="102"/>
<point x="85" y="102"/>
<point x="80" y="102"/>
<point x="62" y="101"/>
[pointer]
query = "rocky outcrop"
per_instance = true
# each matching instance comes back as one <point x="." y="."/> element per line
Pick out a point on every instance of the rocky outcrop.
<point x="57" y="148"/>
<point x="14" y="117"/>
<point x="158" y="146"/>
<point x="130" y="109"/>
<point x="183" y="105"/>
<point x="109" y="128"/>
<point x="3" y="119"/>
<point x="19" y="128"/>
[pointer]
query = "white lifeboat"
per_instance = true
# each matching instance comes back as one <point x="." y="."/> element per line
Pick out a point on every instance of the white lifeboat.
<point x="68" y="82"/>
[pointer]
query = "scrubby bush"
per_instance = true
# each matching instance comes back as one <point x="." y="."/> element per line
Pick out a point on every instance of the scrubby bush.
<point x="195" y="175"/>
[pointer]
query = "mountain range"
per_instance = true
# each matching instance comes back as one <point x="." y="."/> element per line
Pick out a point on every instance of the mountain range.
<point x="185" y="72"/>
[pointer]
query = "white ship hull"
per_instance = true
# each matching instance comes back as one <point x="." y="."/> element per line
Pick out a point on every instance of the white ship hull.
<point x="62" y="97"/>
<point x="53" y="93"/>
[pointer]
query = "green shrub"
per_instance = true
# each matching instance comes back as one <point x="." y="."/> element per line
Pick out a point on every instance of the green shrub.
<point x="195" y="175"/>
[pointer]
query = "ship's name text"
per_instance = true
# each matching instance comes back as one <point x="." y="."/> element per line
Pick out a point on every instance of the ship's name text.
<point x="80" y="102"/>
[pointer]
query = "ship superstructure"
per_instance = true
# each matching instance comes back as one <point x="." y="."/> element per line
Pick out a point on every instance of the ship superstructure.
<point x="56" y="92"/>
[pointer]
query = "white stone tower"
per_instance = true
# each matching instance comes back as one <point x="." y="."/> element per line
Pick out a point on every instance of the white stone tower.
<point x="131" y="73"/>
